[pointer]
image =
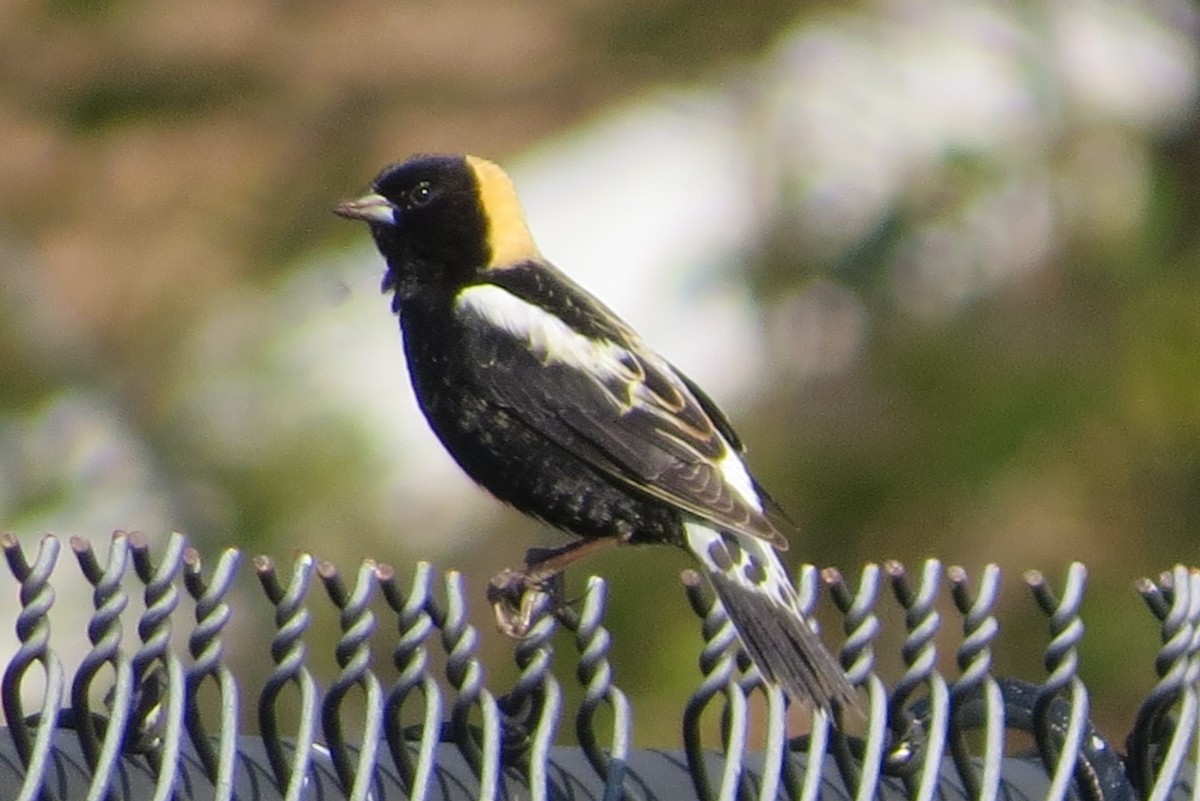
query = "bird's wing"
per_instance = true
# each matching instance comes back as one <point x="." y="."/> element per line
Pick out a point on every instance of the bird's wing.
<point x="582" y="379"/>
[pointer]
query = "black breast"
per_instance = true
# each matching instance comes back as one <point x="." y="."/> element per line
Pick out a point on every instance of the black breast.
<point x="503" y="449"/>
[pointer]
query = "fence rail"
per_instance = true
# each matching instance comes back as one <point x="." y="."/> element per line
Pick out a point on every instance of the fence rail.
<point x="169" y="724"/>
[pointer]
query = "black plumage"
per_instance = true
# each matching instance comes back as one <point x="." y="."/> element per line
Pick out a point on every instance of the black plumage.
<point x="550" y="401"/>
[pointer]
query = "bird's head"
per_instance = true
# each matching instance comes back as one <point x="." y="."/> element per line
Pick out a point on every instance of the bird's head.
<point x="443" y="219"/>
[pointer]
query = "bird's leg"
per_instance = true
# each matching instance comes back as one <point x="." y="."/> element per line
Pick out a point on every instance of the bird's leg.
<point x="514" y="594"/>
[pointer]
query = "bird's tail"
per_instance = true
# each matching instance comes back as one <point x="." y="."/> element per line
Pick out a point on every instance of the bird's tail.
<point x="761" y="602"/>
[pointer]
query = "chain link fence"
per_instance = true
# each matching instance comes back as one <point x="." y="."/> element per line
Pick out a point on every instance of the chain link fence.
<point x="168" y="725"/>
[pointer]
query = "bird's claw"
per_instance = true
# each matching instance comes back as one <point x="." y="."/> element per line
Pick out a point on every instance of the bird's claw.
<point x="517" y="596"/>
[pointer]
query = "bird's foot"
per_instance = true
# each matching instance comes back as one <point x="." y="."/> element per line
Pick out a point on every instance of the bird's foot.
<point x="517" y="596"/>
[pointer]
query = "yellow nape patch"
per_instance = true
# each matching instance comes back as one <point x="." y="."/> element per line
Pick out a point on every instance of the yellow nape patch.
<point x="508" y="234"/>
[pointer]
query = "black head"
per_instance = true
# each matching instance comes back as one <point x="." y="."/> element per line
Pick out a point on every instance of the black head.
<point x="443" y="219"/>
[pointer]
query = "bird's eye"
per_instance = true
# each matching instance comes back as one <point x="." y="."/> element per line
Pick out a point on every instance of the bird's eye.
<point x="421" y="194"/>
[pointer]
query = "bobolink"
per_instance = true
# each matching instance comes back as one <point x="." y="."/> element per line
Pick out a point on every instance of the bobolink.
<point x="550" y="401"/>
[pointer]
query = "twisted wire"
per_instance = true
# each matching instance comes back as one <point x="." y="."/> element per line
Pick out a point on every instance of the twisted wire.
<point x="531" y="709"/>
<point x="975" y="664"/>
<point x="1154" y="732"/>
<point x="1193" y="584"/>
<point x="157" y="671"/>
<point x="33" y="630"/>
<point x="860" y="623"/>
<point x="411" y="659"/>
<point x="289" y="653"/>
<point x="778" y="767"/>
<point x="353" y="654"/>
<point x="717" y="660"/>
<point x="861" y="626"/>
<point x="594" y="672"/>
<point x="212" y="614"/>
<point x="1187" y="585"/>
<point x="918" y="748"/>
<point x="533" y="654"/>
<point x="749" y="681"/>
<point x="1060" y="754"/>
<point x="100" y="741"/>
<point x="157" y="700"/>
<point x="465" y="674"/>
<point x="775" y="760"/>
<point x="154" y="625"/>
<point x="775" y="750"/>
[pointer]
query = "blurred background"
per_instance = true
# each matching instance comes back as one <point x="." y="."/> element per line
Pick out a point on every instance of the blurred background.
<point x="938" y="259"/>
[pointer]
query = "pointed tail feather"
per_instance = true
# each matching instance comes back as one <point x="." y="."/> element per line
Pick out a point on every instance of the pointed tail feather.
<point x="761" y="602"/>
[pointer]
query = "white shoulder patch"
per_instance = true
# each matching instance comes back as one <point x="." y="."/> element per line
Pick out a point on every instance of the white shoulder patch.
<point x="548" y="336"/>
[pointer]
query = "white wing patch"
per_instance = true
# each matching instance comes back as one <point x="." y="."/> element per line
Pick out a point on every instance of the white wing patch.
<point x="552" y="340"/>
<point x="734" y="471"/>
<point x="548" y="336"/>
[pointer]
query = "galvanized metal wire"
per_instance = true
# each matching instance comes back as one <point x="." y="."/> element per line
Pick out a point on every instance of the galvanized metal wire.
<point x="389" y="724"/>
<point x="32" y="739"/>
<point x="595" y="673"/>
<point x="206" y="648"/>
<point x="976" y="685"/>
<point x="100" y="735"/>
<point x="1158" y="742"/>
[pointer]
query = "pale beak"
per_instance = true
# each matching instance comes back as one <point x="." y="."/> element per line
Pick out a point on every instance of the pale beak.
<point x="372" y="208"/>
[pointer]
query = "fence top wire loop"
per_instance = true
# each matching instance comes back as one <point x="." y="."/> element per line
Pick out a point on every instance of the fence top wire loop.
<point x="212" y="614"/>
<point x="288" y="653"/>
<point x="595" y="675"/>
<point x="389" y="725"/>
<point x="1158" y="739"/>
<point x="353" y="656"/>
<point x="976" y="684"/>
<point x="104" y="633"/>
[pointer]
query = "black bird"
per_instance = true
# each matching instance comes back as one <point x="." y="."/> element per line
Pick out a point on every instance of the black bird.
<point x="554" y="404"/>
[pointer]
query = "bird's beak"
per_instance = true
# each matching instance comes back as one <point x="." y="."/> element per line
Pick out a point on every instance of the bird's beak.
<point x="372" y="208"/>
